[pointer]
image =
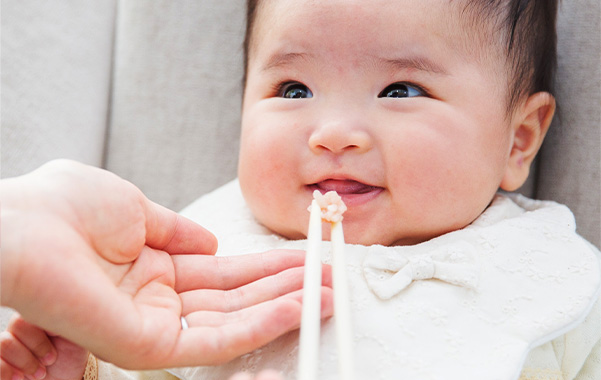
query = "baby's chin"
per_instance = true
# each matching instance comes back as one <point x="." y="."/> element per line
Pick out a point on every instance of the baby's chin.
<point x="385" y="241"/>
<point x="354" y="233"/>
<point x="359" y="235"/>
<point x="286" y="232"/>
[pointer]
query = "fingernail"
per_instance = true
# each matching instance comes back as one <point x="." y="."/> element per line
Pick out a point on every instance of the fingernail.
<point x="49" y="358"/>
<point x="40" y="373"/>
<point x="17" y="376"/>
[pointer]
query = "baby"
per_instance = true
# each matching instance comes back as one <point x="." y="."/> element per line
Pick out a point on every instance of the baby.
<point x="416" y="113"/>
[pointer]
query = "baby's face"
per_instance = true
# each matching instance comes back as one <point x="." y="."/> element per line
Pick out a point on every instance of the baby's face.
<point x="384" y="102"/>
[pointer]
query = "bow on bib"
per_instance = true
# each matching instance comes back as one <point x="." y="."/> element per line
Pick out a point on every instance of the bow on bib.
<point x="389" y="270"/>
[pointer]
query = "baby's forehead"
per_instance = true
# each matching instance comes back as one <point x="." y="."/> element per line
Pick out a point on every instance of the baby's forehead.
<point x="465" y="25"/>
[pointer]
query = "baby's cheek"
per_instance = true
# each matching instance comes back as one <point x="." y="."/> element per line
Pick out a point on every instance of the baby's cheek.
<point x="264" y="172"/>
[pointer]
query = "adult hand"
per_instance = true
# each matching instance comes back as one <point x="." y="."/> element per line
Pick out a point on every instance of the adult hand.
<point x="85" y="255"/>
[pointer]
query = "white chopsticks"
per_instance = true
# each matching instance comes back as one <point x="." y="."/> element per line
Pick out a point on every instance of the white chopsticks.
<point x="308" y="358"/>
<point x="311" y="312"/>
<point x="342" y="306"/>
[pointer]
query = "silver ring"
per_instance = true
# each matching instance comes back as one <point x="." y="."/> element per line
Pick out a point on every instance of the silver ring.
<point x="184" y="323"/>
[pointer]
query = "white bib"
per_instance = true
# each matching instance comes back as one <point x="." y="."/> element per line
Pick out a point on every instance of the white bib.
<point x="467" y="305"/>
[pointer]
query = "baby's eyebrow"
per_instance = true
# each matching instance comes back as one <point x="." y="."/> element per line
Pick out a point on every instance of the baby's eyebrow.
<point x="403" y="63"/>
<point x="417" y="63"/>
<point x="283" y="59"/>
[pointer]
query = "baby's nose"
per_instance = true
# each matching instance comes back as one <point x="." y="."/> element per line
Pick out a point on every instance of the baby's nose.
<point x="338" y="138"/>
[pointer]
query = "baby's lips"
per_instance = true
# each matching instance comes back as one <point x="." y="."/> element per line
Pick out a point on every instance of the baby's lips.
<point x="345" y="186"/>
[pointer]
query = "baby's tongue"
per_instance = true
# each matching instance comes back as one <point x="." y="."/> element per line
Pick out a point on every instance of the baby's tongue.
<point x="344" y="186"/>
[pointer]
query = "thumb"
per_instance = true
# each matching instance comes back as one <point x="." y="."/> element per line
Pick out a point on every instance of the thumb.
<point x="170" y="232"/>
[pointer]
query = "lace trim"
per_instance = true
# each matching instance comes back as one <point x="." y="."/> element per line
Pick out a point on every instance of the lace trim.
<point x="541" y="374"/>
<point x="91" y="372"/>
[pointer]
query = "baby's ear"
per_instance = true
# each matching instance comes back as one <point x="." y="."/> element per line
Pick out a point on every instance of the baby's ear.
<point x="529" y="126"/>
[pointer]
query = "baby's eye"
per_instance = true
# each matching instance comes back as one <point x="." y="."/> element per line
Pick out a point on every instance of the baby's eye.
<point x="295" y="90"/>
<point x="400" y="90"/>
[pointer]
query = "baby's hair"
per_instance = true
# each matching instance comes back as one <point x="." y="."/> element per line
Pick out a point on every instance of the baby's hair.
<point x="528" y="35"/>
<point x="251" y="13"/>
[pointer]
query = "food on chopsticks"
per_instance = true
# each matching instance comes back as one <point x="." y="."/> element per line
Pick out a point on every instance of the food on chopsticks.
<point x="331" y="205"/>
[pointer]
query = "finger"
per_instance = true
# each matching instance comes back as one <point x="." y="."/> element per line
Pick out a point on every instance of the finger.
<point x="247" y="330"/>
<point x="19" y="356"/>
<point x="72" y="361"/>
<point x="225" y="341"/>
<point x="34" y="339"/>
<point x="262" y="290"/>
<point x="204" y="272"/>
<point x="7" y="371"/>
<point x="208" y="318"/>
<point x="171" y="232"/>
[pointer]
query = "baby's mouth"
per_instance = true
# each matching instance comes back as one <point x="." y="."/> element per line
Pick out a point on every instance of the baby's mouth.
<point x="344" y="187"/>
<point x="353" y="193"/>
